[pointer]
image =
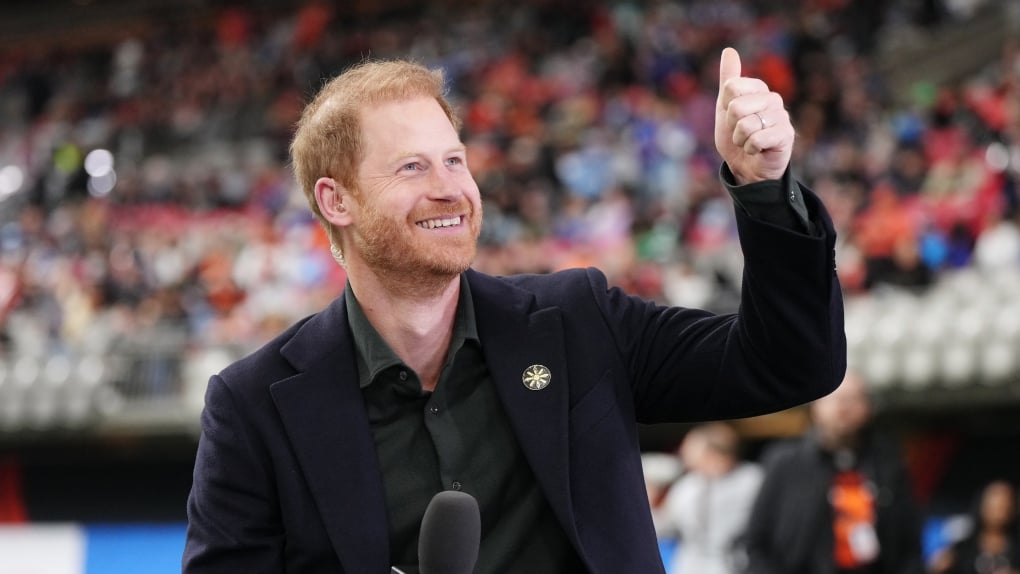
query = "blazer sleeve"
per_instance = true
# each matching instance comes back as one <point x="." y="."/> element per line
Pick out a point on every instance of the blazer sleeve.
<point x="785" y="346"/>
<point x="233" y="518"/>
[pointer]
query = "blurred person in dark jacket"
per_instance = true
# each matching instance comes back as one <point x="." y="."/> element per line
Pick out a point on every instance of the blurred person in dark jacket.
<point x="835" y="500"/>
<point x="991" y="547"/>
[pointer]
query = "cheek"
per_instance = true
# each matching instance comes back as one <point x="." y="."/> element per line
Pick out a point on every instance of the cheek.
<point x="858" y="416"/>
<point x="473" y="194"/>
<point x="394" y="206"/>
<point x="466" y="182"/>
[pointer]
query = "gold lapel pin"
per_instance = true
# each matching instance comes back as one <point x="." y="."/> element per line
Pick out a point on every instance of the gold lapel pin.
<point x="536" y="377"/>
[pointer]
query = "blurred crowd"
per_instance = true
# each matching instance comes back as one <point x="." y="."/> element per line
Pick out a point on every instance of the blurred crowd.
<point x="839" y="498"/>
<point x="146" y="197"/>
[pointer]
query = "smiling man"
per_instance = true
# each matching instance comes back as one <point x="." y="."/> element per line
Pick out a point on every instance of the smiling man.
<point x="321" y="451"/>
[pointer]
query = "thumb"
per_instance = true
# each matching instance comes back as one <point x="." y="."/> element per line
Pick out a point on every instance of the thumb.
<point x="729" y="67"/>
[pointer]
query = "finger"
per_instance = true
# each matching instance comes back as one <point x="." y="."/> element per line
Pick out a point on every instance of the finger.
<point x="762" y="140"/>
<point x="729" y="69"/>
<point x="754" y="96"/>
<point x="768" y="139"/>
<point x="775" y="121"/>
<point x="746" y="86"/>
<point x="729" y="66"/>
<point x="749" y="91"/>
<point x="745" y="128"/>
<point x="769" y="104"/>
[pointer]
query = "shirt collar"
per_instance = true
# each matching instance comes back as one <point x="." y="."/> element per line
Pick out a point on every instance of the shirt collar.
<point x="374" y="354"/>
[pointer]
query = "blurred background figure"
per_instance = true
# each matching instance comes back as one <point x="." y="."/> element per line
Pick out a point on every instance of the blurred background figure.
<point x="836" y="500"/>
<point x="661" y="469"/>
<point x="991" y="547"/>
<point x="707" y="508"/>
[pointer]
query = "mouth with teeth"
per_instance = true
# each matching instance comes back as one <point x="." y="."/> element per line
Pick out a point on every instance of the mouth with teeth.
<point x="440" y="222"/>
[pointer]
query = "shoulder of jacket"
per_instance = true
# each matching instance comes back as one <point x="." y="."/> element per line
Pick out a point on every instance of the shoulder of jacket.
<point x="786" y="449"/>
<point x="264" y="365"/>
<point x="565" y="288"/>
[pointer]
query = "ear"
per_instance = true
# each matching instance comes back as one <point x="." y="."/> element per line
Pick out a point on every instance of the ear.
<point x="333" y="199"/>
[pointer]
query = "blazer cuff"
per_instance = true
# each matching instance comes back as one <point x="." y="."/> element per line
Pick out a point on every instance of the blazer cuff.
<point x="776" y="201"/>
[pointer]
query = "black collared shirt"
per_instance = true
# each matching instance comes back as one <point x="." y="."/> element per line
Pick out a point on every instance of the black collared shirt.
<point x="455" y="438"/>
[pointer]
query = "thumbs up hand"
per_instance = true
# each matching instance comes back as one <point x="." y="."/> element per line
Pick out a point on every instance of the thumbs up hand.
<point x="753" y="133"/>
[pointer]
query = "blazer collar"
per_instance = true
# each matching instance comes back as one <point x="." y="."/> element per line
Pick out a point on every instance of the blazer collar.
<point x="325" y="421"/>
<point x="516" y="337"/>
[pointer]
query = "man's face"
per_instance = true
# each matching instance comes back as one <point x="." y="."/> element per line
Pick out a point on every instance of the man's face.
<point x="998" y="504"/>
<point x="839" y="416"/>
<point x="417" y="212"/>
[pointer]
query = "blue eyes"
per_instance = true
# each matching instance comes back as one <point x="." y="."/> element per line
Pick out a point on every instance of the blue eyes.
<point x="416" y="166"/>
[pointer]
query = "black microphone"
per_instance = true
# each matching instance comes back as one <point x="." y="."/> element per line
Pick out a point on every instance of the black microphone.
<point x="451" y="532"/>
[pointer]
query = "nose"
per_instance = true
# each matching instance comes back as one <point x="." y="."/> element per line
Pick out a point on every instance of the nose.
<point x="443" y="186"/>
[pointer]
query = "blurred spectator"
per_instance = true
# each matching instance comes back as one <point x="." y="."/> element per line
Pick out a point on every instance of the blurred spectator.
<point x="837" y="500"/>
<point x="12" y="498"/>
<point x="905" y="268"/>
<point x="886" y="233"/>
<point x="908" y="169"/>
<point x="999" y="246"/>
<point x="707" y="508"/>
<point x="993" y="545"/>
<point x="661" y="471"/>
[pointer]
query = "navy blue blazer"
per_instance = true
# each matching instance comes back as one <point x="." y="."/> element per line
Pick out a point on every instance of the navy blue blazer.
<point x="287" y="480"/>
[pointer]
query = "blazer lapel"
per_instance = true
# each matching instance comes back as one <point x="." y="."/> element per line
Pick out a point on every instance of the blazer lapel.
<point x="515" y="339"/>
<point x="325" y="420"/>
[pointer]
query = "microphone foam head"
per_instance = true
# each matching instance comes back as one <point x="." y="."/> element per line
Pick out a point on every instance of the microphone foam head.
<point x="450" y="534"/>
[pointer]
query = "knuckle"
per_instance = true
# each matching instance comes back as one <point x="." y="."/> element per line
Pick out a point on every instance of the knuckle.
<point x="739" y="109"/>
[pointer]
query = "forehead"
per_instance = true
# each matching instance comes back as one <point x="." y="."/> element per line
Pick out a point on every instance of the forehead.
<point x="850" y="393"/>
<point x="998" y="489"/>
<point x="418" y="121"/>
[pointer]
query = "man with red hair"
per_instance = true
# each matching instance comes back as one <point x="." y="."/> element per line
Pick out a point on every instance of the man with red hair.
<point x="321" y="451"/>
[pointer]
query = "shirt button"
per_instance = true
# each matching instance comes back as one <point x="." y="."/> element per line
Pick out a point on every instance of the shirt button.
<point x="403" y="375"/>
<point x="456" y="485"/>
<point x="434" y="410"/>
